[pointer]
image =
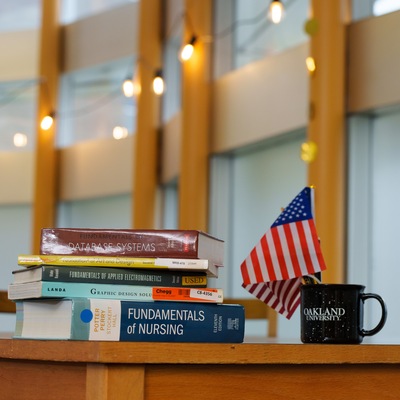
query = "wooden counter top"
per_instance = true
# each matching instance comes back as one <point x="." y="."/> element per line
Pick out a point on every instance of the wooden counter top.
<point x="198" y="353"/>
<point x="65" y="370"/>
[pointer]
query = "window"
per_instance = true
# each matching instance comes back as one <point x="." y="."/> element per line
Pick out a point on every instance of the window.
<point x="93" y="104"/>
<point x="248" y="190"/>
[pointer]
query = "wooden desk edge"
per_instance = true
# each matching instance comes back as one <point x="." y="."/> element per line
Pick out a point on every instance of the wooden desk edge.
<point x="197" y="353"/>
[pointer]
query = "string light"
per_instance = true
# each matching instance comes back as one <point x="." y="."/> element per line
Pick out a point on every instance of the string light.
<point x="276" y="11"/>
<point x="188" y="49"/>
<point x="311" y="66"/>
<point x="120" y="132"/>
<point x="309" y="151"/>
<point x="47" y="122"/>
<point x="20" y="139"/>
<point x="128" y="88"/>
<point x="158" y="83"/>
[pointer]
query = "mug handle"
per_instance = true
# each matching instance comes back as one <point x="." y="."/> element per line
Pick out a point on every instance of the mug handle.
<point x="365" y="296"/>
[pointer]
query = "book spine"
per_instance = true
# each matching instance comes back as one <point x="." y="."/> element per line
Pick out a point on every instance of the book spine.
<point x="137" y="243"/>
<point x="174" y="264"/>
<point x="103" y="291"/>
<point x="127" y="321"/>
<point x="202" y="295"/>
<point x="122" y="276"/>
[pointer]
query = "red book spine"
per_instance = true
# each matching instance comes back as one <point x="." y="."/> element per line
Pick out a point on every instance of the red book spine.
<point x="136" y="243"/>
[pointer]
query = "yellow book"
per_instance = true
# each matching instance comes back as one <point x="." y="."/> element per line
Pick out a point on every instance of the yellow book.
<point x="177" y="264"/>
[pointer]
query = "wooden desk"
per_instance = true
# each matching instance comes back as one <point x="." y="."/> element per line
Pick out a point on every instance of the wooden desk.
<point x="41" y="370"/>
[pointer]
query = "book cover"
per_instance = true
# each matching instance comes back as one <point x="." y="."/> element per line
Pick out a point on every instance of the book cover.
<point x="118" y="276"/>
<point x="174" y="264"/>
<point x="127" y="321"/>
<point x="132" y="242"/>
<point x="43" y="289"/>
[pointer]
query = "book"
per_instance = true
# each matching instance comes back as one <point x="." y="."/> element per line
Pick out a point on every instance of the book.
<point x="152" y="243"/>
<point x="43" y="289"/>
<point x="174" y="264"/>
<point x="127" y="321"/>
<point x="124" y="276"/>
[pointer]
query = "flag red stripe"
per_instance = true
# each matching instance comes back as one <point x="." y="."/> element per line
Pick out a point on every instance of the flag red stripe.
<point x="245" y="273"/>
<point x="279" y="253"/>
<point x="267" y="258"/>
<point x="256" y="265"/>
<point x="304" y="245"/>
<point x="292" y="249"/>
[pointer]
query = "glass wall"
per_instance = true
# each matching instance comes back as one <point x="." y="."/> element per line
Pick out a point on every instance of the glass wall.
<point x="93" y="105"/>
<point x="113" y="212"/>
<point x="18" y="114"/>
<point x="374" y="192"/>
<point x="244" y="33"/>
<point x="249" y="188"/>
<point x="369" y="8"/>
<point x="72" y="10"/>
<point x="19" y="15"/>
<point x="19" y="20"/>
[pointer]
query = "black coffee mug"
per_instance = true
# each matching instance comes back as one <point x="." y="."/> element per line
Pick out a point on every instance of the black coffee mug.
<point x="334" y="313"/>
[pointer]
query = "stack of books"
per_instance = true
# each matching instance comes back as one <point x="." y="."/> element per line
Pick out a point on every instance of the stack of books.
<point x="124" y="285"/>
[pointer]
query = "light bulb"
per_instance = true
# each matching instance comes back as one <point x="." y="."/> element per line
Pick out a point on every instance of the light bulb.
<point x="310" y="63"/>
<point x="20" y="139"/>
<point x="47" y="122"/>
<point x="128" y="88"/>
<point x="187" y="50"/>
<point x="309" y="151"/>
<point x="276" y="11"/>
<point x="120" y="132"/>
<point x="158" y="83"/>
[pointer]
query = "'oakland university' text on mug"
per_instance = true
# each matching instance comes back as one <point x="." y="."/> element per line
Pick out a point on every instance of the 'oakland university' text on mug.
<point x="334" y="313"/>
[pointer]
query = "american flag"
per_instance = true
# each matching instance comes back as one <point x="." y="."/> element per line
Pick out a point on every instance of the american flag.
<point x="289" y="250"/>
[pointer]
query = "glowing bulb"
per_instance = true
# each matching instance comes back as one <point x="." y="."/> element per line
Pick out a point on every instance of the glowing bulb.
<point x="20" y="140"/>
<point x="158" y="84"/>
<point x="47" y="122"/>
<point x="128" y="88"/>
<point x="276" y="11"/>
<point x="187" y="50"/>
<point x="309" y="151"/>
<point x="120" y="132"/>
<point x="310" y="63"/>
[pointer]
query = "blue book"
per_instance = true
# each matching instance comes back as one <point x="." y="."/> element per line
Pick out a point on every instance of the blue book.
<point x="46" y="289"/>
<point x="129" y="321"/>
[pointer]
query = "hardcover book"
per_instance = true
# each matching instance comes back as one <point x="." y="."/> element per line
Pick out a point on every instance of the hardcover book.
<point x="118" y="276"/>
<point x="43" y="289"/>
<point x="132" y="242"/>
<point x="174" y="264"/>
<point x="126" y="321"/>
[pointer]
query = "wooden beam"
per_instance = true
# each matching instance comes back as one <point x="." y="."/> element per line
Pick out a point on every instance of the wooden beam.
<point x="146" y="145"/>
<point x="327" y="130"/>
<point x="196" y="98"/>
<point x="6" y="306"/>
<point x="46" y="172"/>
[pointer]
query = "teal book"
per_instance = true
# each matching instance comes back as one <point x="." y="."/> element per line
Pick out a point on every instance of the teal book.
<point x="129" y="321"/>
<point x="44" y="289"/>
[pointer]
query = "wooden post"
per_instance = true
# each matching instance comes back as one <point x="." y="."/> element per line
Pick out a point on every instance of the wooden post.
<point x="46" y="172"/>
<point x="194" y="172"/>
<point x="327" y="130"/>
<point x="146" y="144"/>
